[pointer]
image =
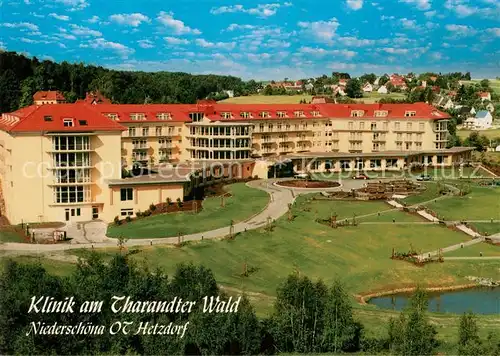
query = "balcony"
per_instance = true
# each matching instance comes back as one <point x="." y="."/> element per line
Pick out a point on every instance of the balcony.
<point x="72" y="164"/>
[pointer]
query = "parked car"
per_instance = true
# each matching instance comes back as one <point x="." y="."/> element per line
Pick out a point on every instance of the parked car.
<point x="361" y="176"/>
<point x="424" y="178"/>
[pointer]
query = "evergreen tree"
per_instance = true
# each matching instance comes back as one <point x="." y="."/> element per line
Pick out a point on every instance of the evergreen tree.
<point x="353" y="89"/>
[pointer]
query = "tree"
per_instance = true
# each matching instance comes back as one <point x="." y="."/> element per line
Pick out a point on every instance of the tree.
<point x="485" y="84"/>
<point x="412" y="334"/>
<point x="480" y="142"/>
<point x="370" y="78"/>
<point x="353" y="89"/>
<point x="468" y="338"/>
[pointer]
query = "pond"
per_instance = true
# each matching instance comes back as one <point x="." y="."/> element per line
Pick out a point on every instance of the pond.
<point x="478" y="301"/>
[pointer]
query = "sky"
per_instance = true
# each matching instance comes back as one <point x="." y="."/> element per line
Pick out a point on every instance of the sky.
<point x="262" y="40"/>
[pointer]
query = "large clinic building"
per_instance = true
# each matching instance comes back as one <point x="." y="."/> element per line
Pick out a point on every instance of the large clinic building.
<point x="63" y="162"/>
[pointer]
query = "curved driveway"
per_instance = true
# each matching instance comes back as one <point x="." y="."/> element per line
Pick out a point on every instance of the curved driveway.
<point x="280" y="197"/>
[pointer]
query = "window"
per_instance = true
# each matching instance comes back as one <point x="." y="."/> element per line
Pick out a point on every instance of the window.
<point x="158" y="130"/>
<point x="245" y="115"/>
<point x="137" y="116"/>
<point x="68" y="122"/>
<point x="126" y="212"/>
<point x="76" y="194"/>
<point x="112" y="116"/>
<point x="225" y="115"/>
<point x="421" y="126"/>
<point x="145" y="131"/>
<point x="131" y="131"/>
<point x="351" y="125"/>
<point x="315" y="113"/>
<point x="126" y="194"/>
<point x="264" y="114"/>
<point x="374" y="126"/>
<point x="397" y="126"/>
<point x="357" y="113"/>
<point x="380" y="113"/>
<point x="164" y="116"/>
<point x="47" y="118"/>
<point x="196" y="116"/>
<point x="299" y="113"/>
<point x="281" y="114"/>
<point x="82" y="122"/>
<point x="361" y="125"/>
<point x="409" y="126"/>
<point x="410" y="113"/>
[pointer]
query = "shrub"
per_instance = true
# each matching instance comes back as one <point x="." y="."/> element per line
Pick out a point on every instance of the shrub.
<point x="179" y="202"/>
<point x="139" y="214"/>
<point x="169" y="201"/>
<point x="146" y="213"/>
<point x="117" y="220"/>
<point x="152" y="207"/>
<point x="128" y="219"/>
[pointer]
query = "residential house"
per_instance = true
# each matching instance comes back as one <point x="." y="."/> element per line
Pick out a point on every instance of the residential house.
<point x="377" y="81"/>
<point x="309" y="86"/>
<point x="368" y="88"/>
<point x="482" y="121"/>
<point x="48" y="97"/>
<point x="444" y="102"/>
<point x="485" y="96"/>
<point x="343" y="82"/>
<point x="230" y="93"/>
<point x="382" y="90"/>
<point x="94" y="98"/>
<point x="340" y="91"/>
<point x="398" y="82"/>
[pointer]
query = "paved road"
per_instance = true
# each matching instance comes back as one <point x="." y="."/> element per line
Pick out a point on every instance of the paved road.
<point x="452" y="248"/>
<point x="280" y="197"/>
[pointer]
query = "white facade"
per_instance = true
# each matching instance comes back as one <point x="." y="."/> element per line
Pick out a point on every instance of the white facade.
<point x="382" y="90"/>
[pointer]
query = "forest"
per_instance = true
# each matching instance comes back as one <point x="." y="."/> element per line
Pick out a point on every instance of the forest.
<point x="307" y="316"/>
<point x="21" y="77"/>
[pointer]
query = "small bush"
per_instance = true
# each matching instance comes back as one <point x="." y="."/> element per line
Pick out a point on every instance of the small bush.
<point x="117" y="220"/>
<point x="146" y="213"/>
<point x="169" y="201"/>
<point x="139" y="214"/>
<point x="128" y="219"/>
<point x="152" y="207"/>
<point x="179" y="202"/>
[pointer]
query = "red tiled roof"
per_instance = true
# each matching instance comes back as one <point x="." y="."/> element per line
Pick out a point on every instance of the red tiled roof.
<point x="32" y="119"/>
<point x="484" y="94"/>
<point x="49" y="95"/>
<point x="180" y="112"/>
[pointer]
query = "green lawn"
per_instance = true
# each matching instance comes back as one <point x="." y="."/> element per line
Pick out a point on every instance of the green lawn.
<point x="397" y="216"/>
<point x="491" y="133"/>
<point x="494" y="84"/>
<point x="11" y="234"/>
<point x="359" y="255"/>
<point x="243" y="203"/>
<point x="430" y="192"/>
<point x="54" y="267"/>
<point x="487" y="228"/>
<point x="480" y="204"/>
<point x="474" y="251"/>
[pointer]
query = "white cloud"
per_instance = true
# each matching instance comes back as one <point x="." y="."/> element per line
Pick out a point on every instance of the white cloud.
<point x="34" y="14"/>
<point x="26" y="25"/>
<point x="409" y="24"/>
<point x="223" y="45"/>
<point x="176" y="41"/>
<point x="463" y="9"/>
<point x="461" y="30"/>
<point x="420" y="4"/>
<point x="177" y="26"/>
<point x="321" y="52"/>
<point x="74" y="5"/>
<point x="430" y="14"/>
<point x="47" y="58"/>
<point x="133" y="20"/>
<point x="145" y="44"/>
<point x="2" y="45"/>
<point x="392" y="50"/>
<point x="355" y="4"/>
<point x="356" y="42"/>
<point x="234" y="27"/>
<point x="341" y="66"/>
<point x="273" y="43"/>
<point x="384" y="18"/>
<point x="94" y="19"/>
<point x="494" y="31"/>
<point x="101" y="43"/>
<point x="262" y="10"/>
<point x="84" y="31"/>
<point x="59" y="17"/>
<point x="323" y="31"/>
<point x="437" y="56"/>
